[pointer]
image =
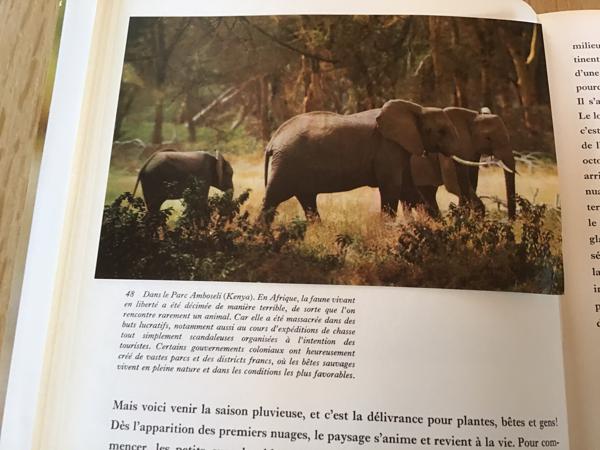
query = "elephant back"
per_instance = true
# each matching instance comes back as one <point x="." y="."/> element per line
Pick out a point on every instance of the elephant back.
<point x="324" y="152"/>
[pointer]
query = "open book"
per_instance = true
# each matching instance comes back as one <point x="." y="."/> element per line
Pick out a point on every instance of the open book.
<point x="185" y="289"/>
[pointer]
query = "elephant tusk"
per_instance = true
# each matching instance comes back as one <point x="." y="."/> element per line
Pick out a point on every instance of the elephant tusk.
<point x="504" y="166"/>
<point x="490" y="162"/>
<point x="468" y="163"/>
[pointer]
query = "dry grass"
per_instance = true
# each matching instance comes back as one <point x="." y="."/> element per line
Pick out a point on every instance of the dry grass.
<point x="355" y="244"/>
<point x="357" y="211"/>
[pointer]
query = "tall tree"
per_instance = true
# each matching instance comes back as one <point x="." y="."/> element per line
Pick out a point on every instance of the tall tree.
<point x="151" y="43"/>
<point x="522" y="45"/>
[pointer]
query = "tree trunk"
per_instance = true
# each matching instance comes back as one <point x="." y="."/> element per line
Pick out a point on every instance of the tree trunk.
<point x="525" y="83"/>
<point x="126" y="98"/>
<point x="444" y="89"/>
<point x="157" y="136"/>
<point x="426" y="81"/>
<point x="359" y="74"/>
<point x="187" y="115"/>
<point x="263" y="108"/>
<point x="191" y="127"/>
<point x="460" y="91"/>
<point x="484" y="34"/>
<point x="160" y="75"/>
<point x="313" y="99"/>
<point x="460" y="74"/>
<point x="162" y="53"/>
<point x="525" y="67"/>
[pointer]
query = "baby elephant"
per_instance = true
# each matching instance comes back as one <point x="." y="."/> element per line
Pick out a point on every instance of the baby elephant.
<point x="167" y="173"/>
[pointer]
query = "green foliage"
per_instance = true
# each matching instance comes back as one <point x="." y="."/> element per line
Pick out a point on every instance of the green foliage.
<point x="234" y="142"/>
<point x="211" y="240"/>
<point x="130" y="243"/>
<point x="467" y="251"/>
<point x="215" y="239"/>
<point x="256" y="72"/>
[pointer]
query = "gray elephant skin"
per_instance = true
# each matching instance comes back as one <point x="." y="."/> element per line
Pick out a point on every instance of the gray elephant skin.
<point x="480" y="134"/>
<point x="167" y="173"/>
<point x="324" y="152"/>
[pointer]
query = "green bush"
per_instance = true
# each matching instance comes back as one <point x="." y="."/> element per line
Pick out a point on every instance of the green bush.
<point x="215" y="239"/>
<point x="211" y="240"/>
<point x="130" y="243"/>
<point x="468" y="251"/>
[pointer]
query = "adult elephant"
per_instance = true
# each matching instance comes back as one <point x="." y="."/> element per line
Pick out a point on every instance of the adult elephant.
<point x="167" y="173"/>
<point x="480" y="134"/>
<point x="323" y="152"/>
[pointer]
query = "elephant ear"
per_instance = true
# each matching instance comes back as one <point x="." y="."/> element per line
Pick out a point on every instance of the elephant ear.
<point x="493" y="127"/>
<point x="398" y="121"/>
<point x="463" y="120"/>
<point x="425" y="170"/>
<point x="457" y="114"/>
<point x="220" y="168"/>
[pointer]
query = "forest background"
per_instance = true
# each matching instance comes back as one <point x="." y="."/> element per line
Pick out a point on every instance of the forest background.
<point x="199" y="79"/>
<point x="226" y="83"/>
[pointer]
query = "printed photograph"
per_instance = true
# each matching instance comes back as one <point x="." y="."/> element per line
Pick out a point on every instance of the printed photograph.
<point x="408" y="151"/>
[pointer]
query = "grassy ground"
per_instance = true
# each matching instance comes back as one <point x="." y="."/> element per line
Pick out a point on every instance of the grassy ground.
<point x="357" y="210"/>
<point x="354" y="244"/>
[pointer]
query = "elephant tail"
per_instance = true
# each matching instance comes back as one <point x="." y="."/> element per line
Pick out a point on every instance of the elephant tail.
<point x="150" y="158"/>
<point x="136" y="185"/>
<point x="268" y="154"/>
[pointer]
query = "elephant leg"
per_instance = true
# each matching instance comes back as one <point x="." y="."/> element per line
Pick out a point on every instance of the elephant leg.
<point x="428" y="194"/>
<point x="474" y="177"/>
<point x="154" y="205"/>
<point x="389" y="202"/>
<point x="476" y="201"/>
<point x="154" y="197"/>
<point x="477" y="204"/>
<point x="309" y="205"/>
<point x="410" y="199"/>
<point x="200" y="206"/>
<point x="468" y="196"/>
<point x="463" y="175"/>
<point x="273" y="197"/>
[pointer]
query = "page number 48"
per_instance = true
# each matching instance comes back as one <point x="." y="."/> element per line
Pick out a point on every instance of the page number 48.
<point x="129" y="293"/>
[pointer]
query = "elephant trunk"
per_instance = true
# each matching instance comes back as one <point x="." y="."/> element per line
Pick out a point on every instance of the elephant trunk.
<point x="509" y="179"/>
<point x="508" y="160"/>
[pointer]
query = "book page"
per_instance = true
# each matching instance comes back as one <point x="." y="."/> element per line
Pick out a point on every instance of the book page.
<point x="573" y="52"/>
<point x="286" y="344"/>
